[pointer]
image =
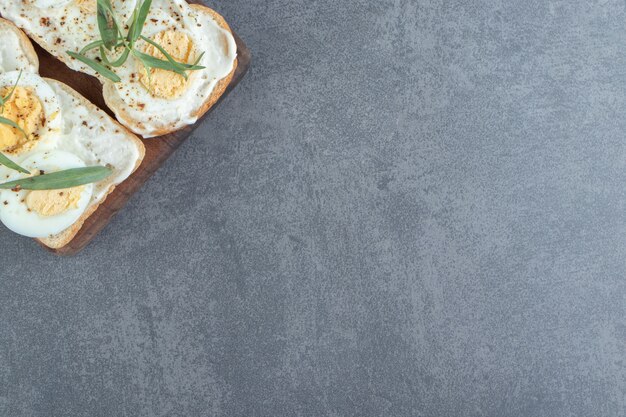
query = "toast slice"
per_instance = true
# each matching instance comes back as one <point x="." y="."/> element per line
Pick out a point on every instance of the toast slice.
<point x="104" y="121"/>
<point x="219" y="89"/>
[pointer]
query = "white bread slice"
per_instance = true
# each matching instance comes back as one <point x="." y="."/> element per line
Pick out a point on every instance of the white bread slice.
<point x="65" y="237"/>
<point x="218" y="90"/>
<point x="25" y="50"/>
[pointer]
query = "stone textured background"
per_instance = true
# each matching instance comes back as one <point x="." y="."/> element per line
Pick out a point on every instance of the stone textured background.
<point x="408" y="208"/>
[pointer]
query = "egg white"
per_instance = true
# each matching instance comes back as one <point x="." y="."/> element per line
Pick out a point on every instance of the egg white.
<point x="14" y="55"/>
<point x="14" y="212"/>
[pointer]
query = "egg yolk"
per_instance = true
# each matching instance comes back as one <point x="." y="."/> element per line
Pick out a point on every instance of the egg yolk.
<point x="87" y="6"/>
<point x="162" y="83"/>
<point x="24" y="109"/>
<point x="53" y="202"/>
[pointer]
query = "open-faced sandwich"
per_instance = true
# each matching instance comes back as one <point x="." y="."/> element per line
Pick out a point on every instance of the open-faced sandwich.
<point x="60" y="156"/>
<point x="163" y="63"/>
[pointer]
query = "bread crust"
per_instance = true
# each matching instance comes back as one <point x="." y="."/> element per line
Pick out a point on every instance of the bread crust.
<point x="60" y="240"/>
<point x="25" y="43"/>
<point x="216" y="94"/>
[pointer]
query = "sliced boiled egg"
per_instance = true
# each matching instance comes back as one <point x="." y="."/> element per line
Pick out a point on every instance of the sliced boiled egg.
<point x="41" y="214"/>
<point x="33" y="106"/>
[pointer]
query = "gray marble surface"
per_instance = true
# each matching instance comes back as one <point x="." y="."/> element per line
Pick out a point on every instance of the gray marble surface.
<point x="408" y="208"/>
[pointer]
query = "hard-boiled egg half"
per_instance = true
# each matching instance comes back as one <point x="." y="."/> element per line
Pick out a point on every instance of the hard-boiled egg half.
<point x="33" y="106"/>
<point x="44" y="213"/>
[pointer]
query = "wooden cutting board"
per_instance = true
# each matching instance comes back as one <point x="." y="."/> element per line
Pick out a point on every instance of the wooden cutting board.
<point x="157" y="149"/>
